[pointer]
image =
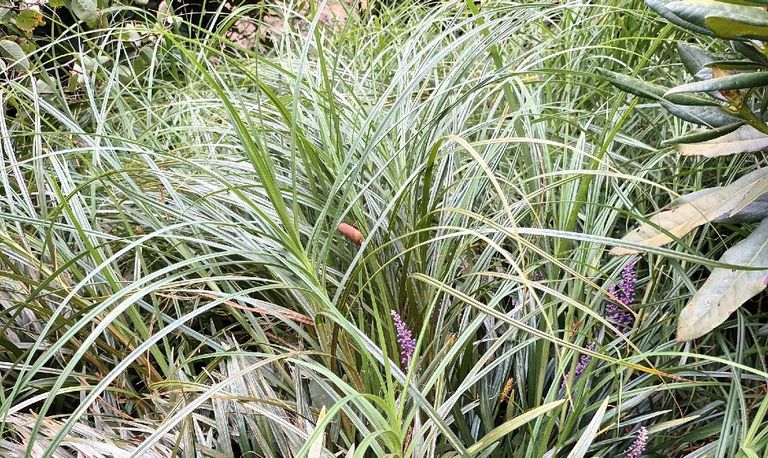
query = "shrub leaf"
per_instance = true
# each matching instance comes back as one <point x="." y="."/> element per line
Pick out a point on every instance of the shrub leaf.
<point x="745" y="139"/>
<point x="726" y="289"/>
<point x="85" y="10"/>
<point x="730" y="82"/>
<point x="669" y="225"/>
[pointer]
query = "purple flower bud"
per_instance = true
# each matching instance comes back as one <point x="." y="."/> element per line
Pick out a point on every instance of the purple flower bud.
<point x="637" y="448"/>
<point x="404" y="339"/>
<point x="582" y="364"/>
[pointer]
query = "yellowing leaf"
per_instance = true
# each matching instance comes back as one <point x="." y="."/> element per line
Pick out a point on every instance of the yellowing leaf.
<point x="669" y="225"/>
<point x="28" y="20"/>
<point x="316" y="449"/>
<point x="745" y="139"/>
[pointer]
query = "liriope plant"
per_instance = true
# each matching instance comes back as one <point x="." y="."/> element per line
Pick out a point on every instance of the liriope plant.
<point x="727" y="97"/>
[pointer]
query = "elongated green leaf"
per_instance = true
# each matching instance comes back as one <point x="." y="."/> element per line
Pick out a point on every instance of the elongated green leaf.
<point x="660" y="6"/>
<point x="703" y="116"/>
<point x="745" y="139"/>
<point x="500" y="431"/>
<point x="722" y="19"/>
<point x="648" y="90"/>
<point x="668" y="225"/>
<point x="730" y="82"/>
<point x="737" y="65"/>
<point x="14" y="55"/>
<point x="702" y="135"/>
<point x="726" y="289"/>
<point x="749" y="51"/>
<point x="581" y="447"/>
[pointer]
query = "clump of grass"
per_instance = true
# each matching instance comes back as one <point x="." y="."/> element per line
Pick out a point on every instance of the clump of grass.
<point x="174" y="282"/>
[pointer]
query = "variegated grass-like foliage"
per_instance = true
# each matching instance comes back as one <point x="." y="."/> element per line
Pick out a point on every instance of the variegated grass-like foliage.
<point x="201" y="246"/>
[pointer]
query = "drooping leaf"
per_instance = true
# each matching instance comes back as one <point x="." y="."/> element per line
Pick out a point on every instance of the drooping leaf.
<point x="745" y="139"/>
<point x="730" y="82"/>
<point x="13" y="54"/>
<point x="748" y="50"/>
<point x="582" y="445"/>
<point x="702" y="135"/>
<point x="652" y="91"/>
<point x="668" y="225"/>
<point x="724" y="20"/>
<point x="507" y="427"/>
<point x="727" y="289"/>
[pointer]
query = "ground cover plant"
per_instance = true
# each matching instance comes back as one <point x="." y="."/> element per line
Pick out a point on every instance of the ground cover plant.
<point x="386" y="236"/>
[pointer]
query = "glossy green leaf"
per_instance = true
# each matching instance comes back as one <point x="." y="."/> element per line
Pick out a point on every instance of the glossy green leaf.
<point x="660" y="6"/>
<point x="5" y="15"/>
<point x="745" y="139"/>
<point x="727" y="289"/>
<point x="748" y="50"/>
<point x="703" y="116"/>
<point x="668" y="225"/>
<point x="724" y="20"/>
<point x="694" y="58"/>
<point x="702" y="135"/>
<point x="648" y="90"/>
<point x="725" y="83"/>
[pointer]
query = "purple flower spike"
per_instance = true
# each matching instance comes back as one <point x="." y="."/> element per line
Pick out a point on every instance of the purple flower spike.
<point x="582" y="364"/>
<point x="405" y="340"/>
<point x="628" y="283"/>
<point x="637" y="448"/>
<point x="625" y="293"/>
